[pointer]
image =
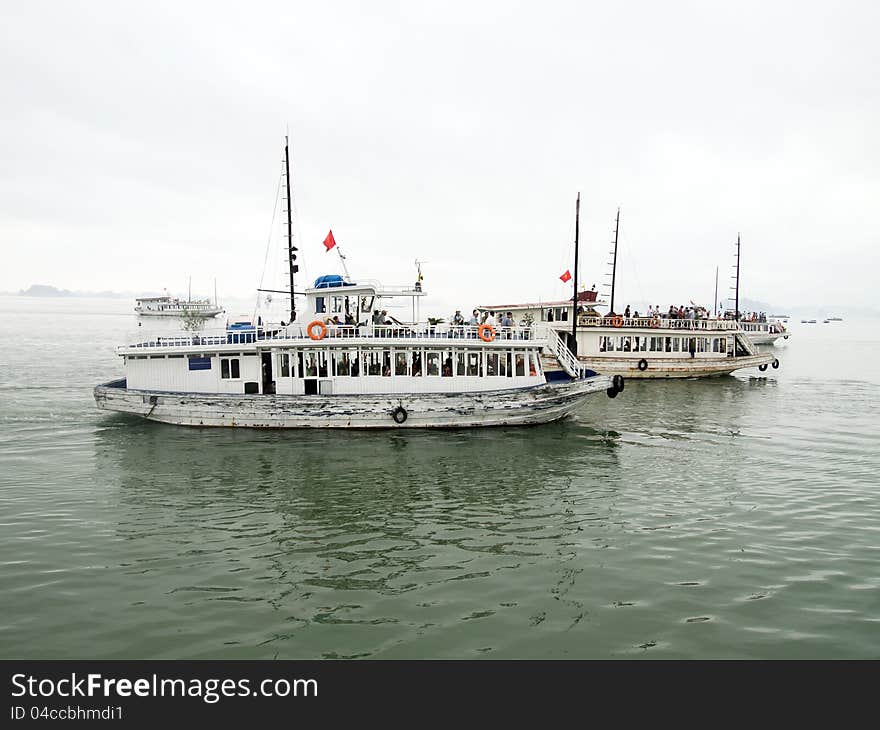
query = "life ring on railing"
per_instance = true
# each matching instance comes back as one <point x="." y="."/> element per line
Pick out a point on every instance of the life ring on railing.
<point x="643" y="365"/>
<point x="617" y="320"/>
<point x="486" y="332"/>
<point x="399" y="415"/>
<point x="322" y="330"/>
<point x="655" y="322"/>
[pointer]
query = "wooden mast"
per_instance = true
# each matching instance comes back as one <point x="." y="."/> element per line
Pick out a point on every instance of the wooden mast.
<point x="574" y="320"/>
<point x="736" y="305"/>
<point x="614" y="263"/>
<point x="291" y="255"/>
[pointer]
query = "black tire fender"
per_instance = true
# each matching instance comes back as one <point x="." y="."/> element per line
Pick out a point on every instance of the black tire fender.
<point x="775" y="363"/>
<point x="763" y="367"/>
<point x="612" y="393"/>
<point x="617" y="383"/>
<point x="643" y="364"/>
<point x="399" y="415"/>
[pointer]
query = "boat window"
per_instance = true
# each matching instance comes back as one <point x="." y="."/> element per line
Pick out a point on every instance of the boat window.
<point x="564" y="315"/>
<point x="342" y="362"/>
<point x="229" y="368"/>
<point x="285" y="365"/>
<point x="491" y="364"/>
<point x="433" y="363"/>
<point x="386" y="363"/>
<point x="502" y="364"/>
<point x="668" y="346"/>
<point x="459" y="362"/>
<point x="335" y="305"/>
<point x="320" y="306"/>
<point x="473" y="363"/>
<point x="401" y="362"/>
<point x="199" y="363"/>
<point x="372" y="362"/>
<point x="310" y="366"/>
<point x="520" y="364"/>
<point x="534" y="363"/>
<point x="417" y="363"/>
<point x="676" y="344"/>
<point x="446" y="370"/>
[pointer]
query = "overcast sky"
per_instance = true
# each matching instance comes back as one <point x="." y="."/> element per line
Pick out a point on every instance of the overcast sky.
<point x="142" y="144"/>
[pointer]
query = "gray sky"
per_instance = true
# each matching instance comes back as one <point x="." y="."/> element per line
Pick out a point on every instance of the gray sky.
<point x="141" y="144"/>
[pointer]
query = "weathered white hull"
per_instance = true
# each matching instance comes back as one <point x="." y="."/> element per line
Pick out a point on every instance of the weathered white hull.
<point x="700" y="367"/>
<point x="541" y="404"/>
<point x="761" y="338"/>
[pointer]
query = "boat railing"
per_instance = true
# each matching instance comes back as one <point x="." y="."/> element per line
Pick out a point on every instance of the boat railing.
<point x="657" y="322"/>
<point x="333" y="333"/>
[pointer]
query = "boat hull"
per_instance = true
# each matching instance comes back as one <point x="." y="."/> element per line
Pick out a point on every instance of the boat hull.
<point x="765" y="339"/>
<point x="674" y="367"/>
<point x="526" y="406"/>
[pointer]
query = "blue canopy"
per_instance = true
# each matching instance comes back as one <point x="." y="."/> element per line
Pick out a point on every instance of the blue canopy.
<point x="330" y="280"/>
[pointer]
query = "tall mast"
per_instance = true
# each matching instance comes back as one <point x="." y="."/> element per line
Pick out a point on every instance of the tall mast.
<point x="614" y="264"/>
<point x="736" y="304"/>
<point x="574" y="320"/>
<point x="715" y="303"/>
<point x="291" y="256"/>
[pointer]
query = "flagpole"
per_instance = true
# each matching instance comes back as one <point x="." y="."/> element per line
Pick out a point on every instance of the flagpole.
<point x="574" y="320"/>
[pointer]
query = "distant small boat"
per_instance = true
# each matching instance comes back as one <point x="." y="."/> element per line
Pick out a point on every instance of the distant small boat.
<point x="834" y="319"/>
<point x="808" y="321"/>
<point x="825" y="321"/>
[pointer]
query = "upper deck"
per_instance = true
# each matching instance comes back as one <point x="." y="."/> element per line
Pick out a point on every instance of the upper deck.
<point x="336" y="335"/>
<point x="654" y="323"/>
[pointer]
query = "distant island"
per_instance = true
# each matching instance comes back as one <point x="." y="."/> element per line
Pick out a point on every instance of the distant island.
<point x="45" y="290"/>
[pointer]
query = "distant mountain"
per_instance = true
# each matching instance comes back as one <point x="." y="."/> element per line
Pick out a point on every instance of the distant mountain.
<point x="45" y="290"/>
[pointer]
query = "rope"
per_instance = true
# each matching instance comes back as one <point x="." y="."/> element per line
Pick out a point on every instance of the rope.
<point x="268" y="243"/>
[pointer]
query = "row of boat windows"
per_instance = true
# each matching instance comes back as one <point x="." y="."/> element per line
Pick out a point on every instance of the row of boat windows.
<point x="406" y="363"/>
<point x="663" y="344"/>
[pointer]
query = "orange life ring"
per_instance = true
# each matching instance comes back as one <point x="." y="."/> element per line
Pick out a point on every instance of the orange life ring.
<point x="322" y="331"/>
<point x="486" y="332"/>
<point x="617" y="320"/>
<point x="655" y="322"/>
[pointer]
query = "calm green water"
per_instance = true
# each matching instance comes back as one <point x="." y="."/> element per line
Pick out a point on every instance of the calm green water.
<point x="732" y="517"/>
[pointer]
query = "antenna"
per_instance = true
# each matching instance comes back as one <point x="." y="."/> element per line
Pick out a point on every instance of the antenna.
<point x="419" y="276"/>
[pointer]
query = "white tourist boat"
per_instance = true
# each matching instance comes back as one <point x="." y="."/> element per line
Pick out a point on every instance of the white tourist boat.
<point x="644" y="347"/>
<point x="322" y="375"/>
<point x="400" y="374"/>
<point x="167" y="306"/>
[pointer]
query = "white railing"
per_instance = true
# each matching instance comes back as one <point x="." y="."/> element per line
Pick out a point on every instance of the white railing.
<point x="658" y="322"/>
<point x="568" y="361"/>
<point x="268" y="333"/>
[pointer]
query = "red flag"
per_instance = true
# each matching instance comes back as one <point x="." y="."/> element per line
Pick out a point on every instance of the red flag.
<point x="330" y="242"/>
<point x="566" y="277"/>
